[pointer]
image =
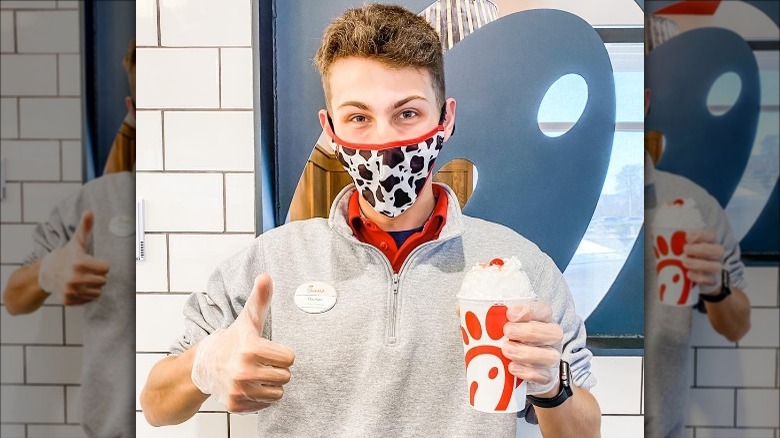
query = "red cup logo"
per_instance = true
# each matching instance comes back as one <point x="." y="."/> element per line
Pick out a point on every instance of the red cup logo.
<point x="672" y="275"/>
<point x="486" y="364"/>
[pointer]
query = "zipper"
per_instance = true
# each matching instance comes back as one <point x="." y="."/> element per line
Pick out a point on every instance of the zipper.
<point x="396" y="276"/>
<point x="394" y="307"/>
<point x="397" y="283"/>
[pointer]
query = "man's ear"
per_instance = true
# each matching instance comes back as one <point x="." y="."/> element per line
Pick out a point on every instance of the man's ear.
<point x="449" y="118"/>
<point x="130" y="105"/>
<point x="323" y="116"/>
<point x="647" y="101"/>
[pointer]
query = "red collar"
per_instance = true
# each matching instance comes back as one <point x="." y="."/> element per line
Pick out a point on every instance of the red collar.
<point x="368" y="232"/>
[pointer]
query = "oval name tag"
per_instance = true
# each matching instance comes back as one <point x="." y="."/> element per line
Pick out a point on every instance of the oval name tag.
<point x="122" y="226"/>
<point x="315" y="297"/>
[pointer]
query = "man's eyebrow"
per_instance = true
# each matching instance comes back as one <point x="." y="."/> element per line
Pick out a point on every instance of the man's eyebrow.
<point x="364" y="107"/>
<point x="355" y="103"/>
<point x="403" y="102"/>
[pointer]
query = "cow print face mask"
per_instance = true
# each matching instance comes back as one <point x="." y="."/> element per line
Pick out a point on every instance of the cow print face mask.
<point x="390" y="176"/>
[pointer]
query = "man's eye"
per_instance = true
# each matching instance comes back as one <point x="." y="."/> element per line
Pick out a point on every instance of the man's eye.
<point x="358" y="119"/>
<point x="408" y="114"/>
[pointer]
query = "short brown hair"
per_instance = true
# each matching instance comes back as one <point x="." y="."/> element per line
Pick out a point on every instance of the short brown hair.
<point x="128" y="62"/>
<point x="389" y="34"/>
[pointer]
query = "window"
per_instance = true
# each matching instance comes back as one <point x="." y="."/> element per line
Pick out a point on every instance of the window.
<point x="619" y="213"/>
<point x="763" y="167"/>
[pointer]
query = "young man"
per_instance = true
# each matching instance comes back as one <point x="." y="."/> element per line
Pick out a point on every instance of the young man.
<point x="713" y="261"/>
<point x="83" y="254"/>
<point x="122" y="154"/>
<point x="379" y="352"/>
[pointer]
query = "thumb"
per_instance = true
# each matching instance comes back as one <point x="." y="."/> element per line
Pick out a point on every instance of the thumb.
<point x="259" y="302"/>
<point x="84" y="230"/>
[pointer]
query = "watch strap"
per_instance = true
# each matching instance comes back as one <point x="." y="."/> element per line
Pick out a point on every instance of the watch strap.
<point x="725" y="289"/>
<point x="564" y="393"/>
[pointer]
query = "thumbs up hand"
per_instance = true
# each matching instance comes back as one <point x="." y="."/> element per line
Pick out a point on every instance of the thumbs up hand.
<point x="243" y="370"/>
<point x="70" y="271"/>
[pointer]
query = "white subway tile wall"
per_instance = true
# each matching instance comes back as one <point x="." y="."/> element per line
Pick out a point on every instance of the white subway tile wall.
<point x="28" y="75"/>
<point x="177" y="78"/>
<point x="73" y="410"/>
<point x="32" y="160"/>
<point x="191" y="263"/>
<point x="7" y="36"/>
<point x="194" y="77"/>
<point x="69" y="75"/>
<point x="12" y="204"/>
<point x="146" y="23"/>
<point x="736" y="386"/>
<point x="50" y="117"/>
<point x="148" y="136"/>
<point x="59" y="431"/>
<point x="71" y="160"/>
<point x="206" y="23"/>
<point x="9" y="117"/>
<point x="39" y="197"/>
<point x="32" y="404"/>
<point x="53" y="365"/>
<point x="47" y="31"/>
<point x="40" y="141"/>
<point x="209" y="140"/>
<point x="236" y="77"/>
<point x="195" y="172"/>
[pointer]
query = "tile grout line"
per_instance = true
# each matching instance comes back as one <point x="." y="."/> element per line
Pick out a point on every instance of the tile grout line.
<point x="62" y="171"/>
<point x="159" y="27"/>
<point x="642" y="388"/>
<point x="57" y="73"/>
<point x="21" y="202"/>
<point x="18" y="118"/>
<point x="168" y="262"/>
<point x="65" y="404"/>
<point x="224" y="203"/>
<point x="219" y="74"/>
<point x="16" y="36"/>
<point x="162" y="138"/>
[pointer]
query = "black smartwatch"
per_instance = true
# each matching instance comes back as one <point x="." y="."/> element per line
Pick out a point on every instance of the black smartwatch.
<point x="563" y="394"/>
<point x="725" y="289"/>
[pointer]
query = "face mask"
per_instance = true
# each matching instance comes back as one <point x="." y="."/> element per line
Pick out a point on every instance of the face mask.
<point x="390" y="176"/>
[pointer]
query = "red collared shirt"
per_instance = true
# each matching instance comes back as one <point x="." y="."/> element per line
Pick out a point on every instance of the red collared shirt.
<point x="368" y="232"/>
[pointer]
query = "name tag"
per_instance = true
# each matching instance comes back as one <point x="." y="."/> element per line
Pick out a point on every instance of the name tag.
<point x="315" y="297"/>
<point x="122" y="226"/>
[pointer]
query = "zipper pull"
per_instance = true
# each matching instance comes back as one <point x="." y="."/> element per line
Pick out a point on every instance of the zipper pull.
<point x="395" y="283"/>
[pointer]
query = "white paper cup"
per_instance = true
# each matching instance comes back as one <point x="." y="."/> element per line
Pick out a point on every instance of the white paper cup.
<point x="492" y="388"/>
<point x="674" y="287"/>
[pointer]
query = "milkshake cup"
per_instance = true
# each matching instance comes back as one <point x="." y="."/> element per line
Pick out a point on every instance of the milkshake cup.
<point x="672" y="225"/>
<point x="487" y="291"/>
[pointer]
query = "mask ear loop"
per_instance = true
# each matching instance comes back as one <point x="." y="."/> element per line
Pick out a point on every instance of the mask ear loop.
<point x="444" y="116"/>
<point x="332" y="132"/>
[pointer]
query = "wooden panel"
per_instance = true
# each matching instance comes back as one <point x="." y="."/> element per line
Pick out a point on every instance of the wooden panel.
<point x="323" y="178"/>
<point x="654" y="144"/>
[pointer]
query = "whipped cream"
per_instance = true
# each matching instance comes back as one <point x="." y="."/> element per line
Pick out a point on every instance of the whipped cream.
<point x="679" y="214"/>
<point x="501" y="278"/>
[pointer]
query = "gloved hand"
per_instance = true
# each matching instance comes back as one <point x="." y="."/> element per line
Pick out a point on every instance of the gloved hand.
<point x="70" y="272"/>
<point x="704" y="260"/>
<point x="533" y="345"/>
<point x="243" y="370"/>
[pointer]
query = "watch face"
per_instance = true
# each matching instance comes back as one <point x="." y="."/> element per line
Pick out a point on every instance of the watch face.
<point x="565" y="374"/>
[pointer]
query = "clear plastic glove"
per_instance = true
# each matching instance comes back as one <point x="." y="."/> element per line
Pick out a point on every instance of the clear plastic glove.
<point x="70" y="271"/>
<point x="243" y="370"/>
<point x="704" y="260"/>
<point x="533" y="345"/>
